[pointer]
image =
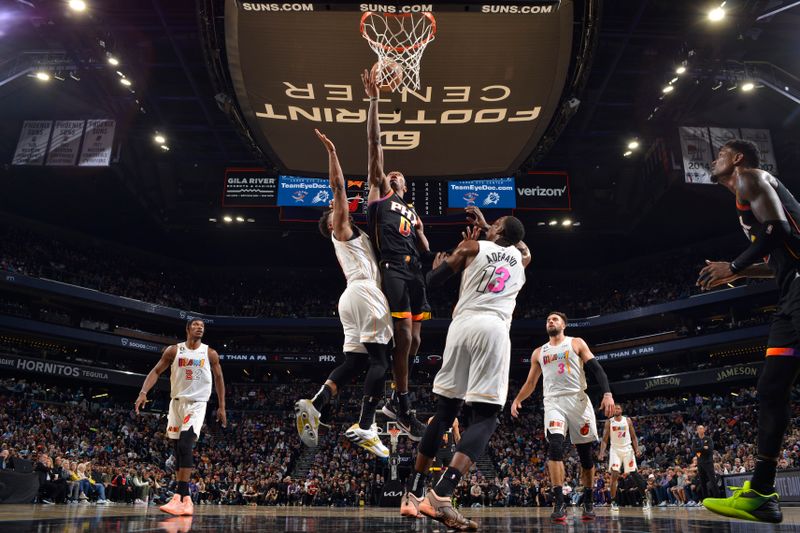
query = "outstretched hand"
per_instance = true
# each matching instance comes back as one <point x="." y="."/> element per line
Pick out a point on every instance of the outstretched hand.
<point x="471" y="234"/>
<point x="327" y="142"/>
<point x="714" y="274"/>
<point x="440" y="258"/>
<point x="370" y="81"/>
<point x="475" y="216"/>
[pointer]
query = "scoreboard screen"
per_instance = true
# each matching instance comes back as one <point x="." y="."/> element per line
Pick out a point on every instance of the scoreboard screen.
<point x="428" y="196"/>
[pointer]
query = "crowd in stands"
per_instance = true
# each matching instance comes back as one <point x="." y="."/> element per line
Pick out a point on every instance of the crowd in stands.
<point x="248" y="293"/>
<point x="96" y="449"/>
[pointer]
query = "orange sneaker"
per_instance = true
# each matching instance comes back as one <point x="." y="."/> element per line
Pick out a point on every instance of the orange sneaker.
<point x="174" y="506"/>
<point x="409" y="505"/>
<point x="441" y="509"/>
<point x="188" y="506"/>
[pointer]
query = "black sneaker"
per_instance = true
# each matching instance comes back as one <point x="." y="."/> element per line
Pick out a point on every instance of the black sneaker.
<point x="559" y="513"/>
<point x="391" y="407"/>
<point x="588" y="511"/>
<point x="411" y="425"/>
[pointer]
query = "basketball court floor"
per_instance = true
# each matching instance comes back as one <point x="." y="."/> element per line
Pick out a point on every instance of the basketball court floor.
<point x="51" y="518"/>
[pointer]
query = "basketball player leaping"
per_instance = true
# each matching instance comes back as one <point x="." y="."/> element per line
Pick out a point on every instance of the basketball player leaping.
<point x="624" y="450"/>
<point x="567" y="408"/>
<point x="365" y="318"/>
<point x="475" y="364"/>
<point x="398" y="236"/>
<point x="768" y="213"/>
<point x="192" y="365"/>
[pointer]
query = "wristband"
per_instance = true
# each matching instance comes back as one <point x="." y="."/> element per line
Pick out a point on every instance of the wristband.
<point x="735" y="269"/>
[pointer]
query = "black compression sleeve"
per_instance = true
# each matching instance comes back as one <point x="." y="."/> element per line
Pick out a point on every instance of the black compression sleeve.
<point x="439" y="275"/>
<point x="771" y="235"/>
<point x="598" y="373"/>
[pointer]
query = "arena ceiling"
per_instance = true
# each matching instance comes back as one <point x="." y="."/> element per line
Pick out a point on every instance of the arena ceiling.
<point x="171" y="52"/>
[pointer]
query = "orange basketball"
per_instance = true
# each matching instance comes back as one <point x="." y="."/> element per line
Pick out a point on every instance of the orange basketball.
<point x="389" y="74"/>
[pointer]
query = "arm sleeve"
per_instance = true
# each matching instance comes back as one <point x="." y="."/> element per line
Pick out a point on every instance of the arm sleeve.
<point x="598" y="373"/>
<point x="772" y="234"/>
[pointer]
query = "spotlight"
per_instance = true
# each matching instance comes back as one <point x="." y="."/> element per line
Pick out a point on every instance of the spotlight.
<point x="160" y="139"/>
<point x="77" y="5"/>
<point x="668" y="89"/>
<point x="680" y="70"/>
<point x="126" y="82"/>
<point x="239" y="219"/>
<point x="748" y="86"/>
<point x="43" y="76"/>
<point x="165" y="147"/>
<point x="212" y="219"/>
<point x="633" y="145"/>
<point x="576" y="224"/>
<point x="541" y="223"/>
<point x="552" y="222"/>
<point x="227" y="218"/>
<point x="113" y="61"/>
<point x="716" y="14"/>
<point x="251" y="220"/>
<point x="566" y="222"/>
<point x="673" y="80"/>
<point x="120" y="74"/>
<point x="627" y="154"/>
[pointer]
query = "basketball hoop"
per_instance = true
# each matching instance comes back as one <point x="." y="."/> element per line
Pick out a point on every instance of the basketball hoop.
<point x="393" y="434"/>
<point x="400" y="39"/>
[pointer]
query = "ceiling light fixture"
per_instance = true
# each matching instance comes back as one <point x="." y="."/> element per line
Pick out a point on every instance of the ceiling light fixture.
<point x="113" y="61"/>
<point x="239" y="219"/>
<point x="748" y="86"/>
<point x="633" y="145"/>
<point x="566" y="222"/>
<point x="627" y="154"/>
<point x="668" y="89"/>
<point x="165" y="147"/>
<point x="227" y="218"/>
<point x="126" y="82"/>
<point x="42" y="76"/>
<point x="552" y="222"/>
<point x="77" y="5"/>
<point x="680" y="70"/>
<point x="160" y="139"/>
<point x="716" y="14"/>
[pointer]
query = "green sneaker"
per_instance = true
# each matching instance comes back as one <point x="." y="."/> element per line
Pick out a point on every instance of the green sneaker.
<point x="747" y="504"/>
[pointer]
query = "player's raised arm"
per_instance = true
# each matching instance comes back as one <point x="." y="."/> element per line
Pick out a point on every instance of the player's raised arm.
<point x="219" y="385"/>
<point x="530" y="383"/>
<point x="447" y="265"/>
<point x="378" y="184"/>
<point x="340" y="217"/>
<point x="167" y="356"/>
<point x="592" y="364"/>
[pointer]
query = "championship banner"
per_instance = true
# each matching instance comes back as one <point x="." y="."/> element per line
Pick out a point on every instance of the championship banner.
<point x="719" y="136"/>
<point x="491" y="79"/>
<point x="496" y="193"/>
<point x="249" y="187"/>
<point x="32" y="145"/>
<point x="295" y="191"/>
<point x="543" y="191"/>
<point x="97" y="143"/>
<point x="763" y="141"/>
<point x="697" y="154"/>
<point x="65" y="143"/>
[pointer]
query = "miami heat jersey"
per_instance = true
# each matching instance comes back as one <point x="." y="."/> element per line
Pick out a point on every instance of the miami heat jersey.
<point x="492" y="281"/>
<point x="620" y="434"/>
<point x="356" y="258"/>
<point x="392" y="228"/>
<point x="190" y="377"/>
<point x="562" y="369"/>
<point x="784" y="260"/>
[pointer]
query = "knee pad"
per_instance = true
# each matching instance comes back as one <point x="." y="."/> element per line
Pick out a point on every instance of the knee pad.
<point x="483" y="422"/>
<point x="585" y="455"/>
<point x="446" y="412"/>
<point x="184" y="446"/>
<point x="555" y="446"/>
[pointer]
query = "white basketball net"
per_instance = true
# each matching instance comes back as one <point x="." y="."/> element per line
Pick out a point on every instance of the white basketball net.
<point x="399" y="38"/>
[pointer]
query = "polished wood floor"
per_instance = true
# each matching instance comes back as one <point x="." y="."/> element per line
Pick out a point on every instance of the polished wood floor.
<point x="128" y="518"/>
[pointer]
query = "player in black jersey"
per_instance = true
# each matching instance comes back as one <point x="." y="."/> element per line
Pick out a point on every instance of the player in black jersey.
<point x="398" y="237"/>
<point x="768" y="213"/>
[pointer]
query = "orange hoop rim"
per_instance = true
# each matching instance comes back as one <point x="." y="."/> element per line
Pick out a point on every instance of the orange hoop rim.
<point x="419" y="44"/>
<point x="394" y="432"/>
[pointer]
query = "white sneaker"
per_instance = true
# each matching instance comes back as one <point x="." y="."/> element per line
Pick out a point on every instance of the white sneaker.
<point x="367" y="439"/>
<point x="139" y="501"/>
<point x="614" y="507"/>
<point x="102" y="502"/>
<point x="307" y="420"/>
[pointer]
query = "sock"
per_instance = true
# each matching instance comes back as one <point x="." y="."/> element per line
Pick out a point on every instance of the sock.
<point x="763" y="480"/>
<point x="558" y="495"/>
<point x="402" y="399"/>
<point x="416" y="484"/>
<point x="368" y="406"/>
<point x="588" y="495"/>
<point x="183" y="488"/>
<point x="322" y="398"/>
<point x="448" y="482"/>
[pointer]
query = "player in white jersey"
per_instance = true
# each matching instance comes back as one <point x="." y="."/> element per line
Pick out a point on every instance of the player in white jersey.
<point x="476" y="359"/>
<point x="624" y="449"/>
<point x="365" y="317"/>
<point x="192" y="365"/>
<point x="567" y="408"/>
